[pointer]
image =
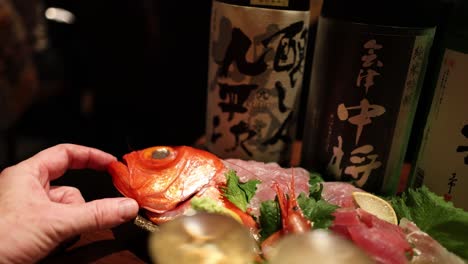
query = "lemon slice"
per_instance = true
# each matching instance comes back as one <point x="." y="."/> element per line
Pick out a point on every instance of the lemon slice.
<point x="376" y="206"/>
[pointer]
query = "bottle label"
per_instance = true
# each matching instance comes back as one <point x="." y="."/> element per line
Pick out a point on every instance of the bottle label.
<point x="368" y="80"/>
<point x="256" y="64"/>
<point x="442" y="163"/>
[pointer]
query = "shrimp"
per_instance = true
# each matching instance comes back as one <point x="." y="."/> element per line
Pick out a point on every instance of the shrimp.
<point x="292" y="219"/>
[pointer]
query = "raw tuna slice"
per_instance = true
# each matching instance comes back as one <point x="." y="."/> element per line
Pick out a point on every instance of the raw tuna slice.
<point x="339" y="193"/>
<point x="268" y="173"/>
<point x="384" y="242"/>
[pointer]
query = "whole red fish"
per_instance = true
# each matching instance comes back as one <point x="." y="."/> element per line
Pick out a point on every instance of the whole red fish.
<point x="160" y="178"/>
<point x="164" y="179"/>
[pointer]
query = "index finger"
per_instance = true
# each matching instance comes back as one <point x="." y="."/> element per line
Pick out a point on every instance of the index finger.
<point x="53" y="162"/>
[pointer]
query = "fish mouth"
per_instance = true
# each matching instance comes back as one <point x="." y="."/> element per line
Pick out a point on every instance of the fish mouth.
<point x="156" y="201"/>
<point x="188" y="199"/>
<point x="176" y="206"/>
<point x="158" y="218"/>
<point x="183" y="207"/>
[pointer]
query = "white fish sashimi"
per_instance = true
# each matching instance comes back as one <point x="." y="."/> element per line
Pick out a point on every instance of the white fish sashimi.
<point x="339" y="193"/>
<point x="427" y="250"/>
<point x="268" y="174"/>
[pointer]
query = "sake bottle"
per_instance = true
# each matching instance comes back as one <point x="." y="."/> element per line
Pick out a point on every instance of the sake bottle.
<point x="427" y="91"/>
<point x="442" y="160"/>
<point x="368" y="66"/>
<point x="256" y="62"/>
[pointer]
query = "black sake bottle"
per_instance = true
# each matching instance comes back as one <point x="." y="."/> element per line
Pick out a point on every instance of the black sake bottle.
<point x="369" y="63"/>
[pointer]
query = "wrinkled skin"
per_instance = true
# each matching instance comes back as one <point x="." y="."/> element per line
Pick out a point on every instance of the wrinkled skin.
<point x="161" y="178"/>
<point x="37" y="217"/>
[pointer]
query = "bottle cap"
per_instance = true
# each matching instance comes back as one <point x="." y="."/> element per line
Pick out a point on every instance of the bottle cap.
<point x="399" y="13"/>
<point x="458" y="22"/>
<point x="299" y="5"/>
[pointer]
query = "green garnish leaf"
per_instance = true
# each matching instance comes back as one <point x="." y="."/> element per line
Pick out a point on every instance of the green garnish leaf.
<point x="317" y="211"/>
<point x="438" y="218"/>
<point x="270" y="218"/>
<point x="315" y="186"/>
<point x="239" y="193"/>
<point x="315" y="177"/>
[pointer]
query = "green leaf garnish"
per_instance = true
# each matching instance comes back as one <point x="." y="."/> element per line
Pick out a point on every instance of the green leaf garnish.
<point x="438" y="218"/>
<point x="317" y="211"/>
<point x="315" y="177"/>
<point x="315" y="186"/>
<point x="270" y="218"/>
<point x="239" y="193"/>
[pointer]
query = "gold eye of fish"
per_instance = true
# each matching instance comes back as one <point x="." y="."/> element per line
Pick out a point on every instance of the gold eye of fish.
<point x="160" y="153"/>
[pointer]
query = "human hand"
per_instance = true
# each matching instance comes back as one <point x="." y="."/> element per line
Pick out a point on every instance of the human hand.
<point x="36" y="217"/>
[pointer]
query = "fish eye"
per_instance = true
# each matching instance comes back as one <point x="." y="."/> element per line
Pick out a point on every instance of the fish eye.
<point x="160" y="153"/>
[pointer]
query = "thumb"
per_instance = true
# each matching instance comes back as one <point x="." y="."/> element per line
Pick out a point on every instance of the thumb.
<point x="102" y="214"/>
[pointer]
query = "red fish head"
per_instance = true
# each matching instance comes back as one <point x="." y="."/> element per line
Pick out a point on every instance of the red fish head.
<point x="159" y="178"/>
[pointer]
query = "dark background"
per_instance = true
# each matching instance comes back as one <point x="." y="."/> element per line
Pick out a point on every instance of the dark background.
<point x="143" y="62"/>
<point x="144" y="65"/>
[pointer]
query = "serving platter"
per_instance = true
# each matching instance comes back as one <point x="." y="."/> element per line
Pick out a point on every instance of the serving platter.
<point x="134" y="236"/>
<point x="146" y="166"/>
<point x="145" y="224"/>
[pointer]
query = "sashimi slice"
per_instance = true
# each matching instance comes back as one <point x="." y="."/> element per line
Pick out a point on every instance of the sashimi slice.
<point x="384" y="242"/>
<point x="339" y="193"/>
<point x="268" y="173"/>
<point x="427" y="250"/>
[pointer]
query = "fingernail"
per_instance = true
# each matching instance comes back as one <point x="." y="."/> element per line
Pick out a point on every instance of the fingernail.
<point x="128" y="209"/>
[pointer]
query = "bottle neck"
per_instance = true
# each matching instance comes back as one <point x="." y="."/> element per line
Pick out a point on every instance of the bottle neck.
<point x="414" y="13"/>
<point x="298" y="5"/>
<point x="458" y="22"/>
